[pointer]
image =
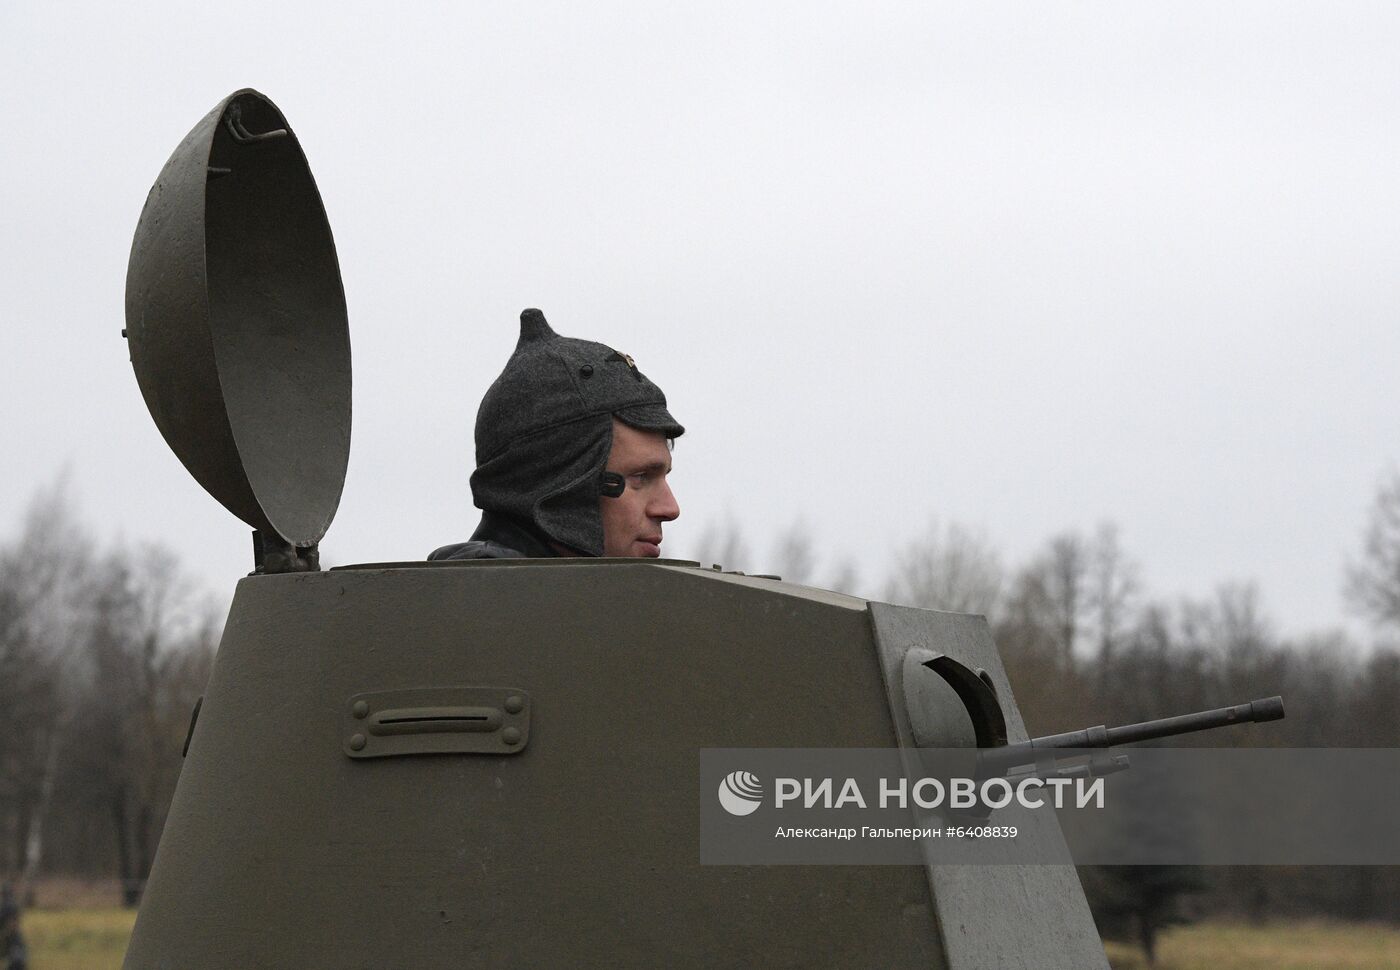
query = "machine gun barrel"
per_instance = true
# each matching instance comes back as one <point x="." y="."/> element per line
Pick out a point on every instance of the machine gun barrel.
<point x="1027" y="752"/>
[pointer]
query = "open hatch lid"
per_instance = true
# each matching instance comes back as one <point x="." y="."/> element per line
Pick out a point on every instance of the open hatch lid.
<point x="236" y="322"/>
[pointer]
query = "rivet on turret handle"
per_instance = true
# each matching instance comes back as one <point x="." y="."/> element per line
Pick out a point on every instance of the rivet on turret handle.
<point x="437" y="720"/>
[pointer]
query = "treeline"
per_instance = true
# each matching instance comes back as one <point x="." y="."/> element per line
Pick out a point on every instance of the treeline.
<point x="1085" y="643"/>
<point x="1083" y="647"/>
<point x="104" y="652"/>
<point x="102" y="655"/>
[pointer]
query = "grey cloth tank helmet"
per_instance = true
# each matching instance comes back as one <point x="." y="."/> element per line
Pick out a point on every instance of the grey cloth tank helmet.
<point x="544" y="431"/>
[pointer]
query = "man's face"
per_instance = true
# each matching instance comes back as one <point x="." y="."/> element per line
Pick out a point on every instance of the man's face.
<point x="632" y="521"/>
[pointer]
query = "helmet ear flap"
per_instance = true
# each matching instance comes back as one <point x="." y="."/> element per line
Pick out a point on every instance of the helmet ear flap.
<point x="611" y="485"/>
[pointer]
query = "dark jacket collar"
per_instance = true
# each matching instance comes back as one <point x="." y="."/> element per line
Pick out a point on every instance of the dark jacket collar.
<point x="510" y="532"/>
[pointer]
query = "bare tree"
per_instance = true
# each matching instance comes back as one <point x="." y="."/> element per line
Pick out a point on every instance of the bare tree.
<point x="1064" y="569"/>
<point x="40" y="578"/>
<point x="1050" y="597"/>
<point x="794" y="554"/>
<point x="146" y="653"/>
<point x="99" y="664"/>
<point x="794" y="558"/>
<point x="722" y="543"/>
<point x="1243" y="633"/>
<point x="844" y="577"/>
<point x="947" y="569"/>
<point x="1113" y="584"/>
<point x="1373" y="582"/>
<point x="28" y="685"/>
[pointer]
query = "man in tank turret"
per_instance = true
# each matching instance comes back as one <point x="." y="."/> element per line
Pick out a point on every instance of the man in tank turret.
<point x="573" y="446"/>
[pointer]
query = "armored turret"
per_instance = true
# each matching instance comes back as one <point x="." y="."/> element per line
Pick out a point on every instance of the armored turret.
<point x="493" y="763"/>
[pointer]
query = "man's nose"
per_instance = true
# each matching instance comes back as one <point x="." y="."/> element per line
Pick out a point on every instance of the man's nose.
<point x="664" y="506"/>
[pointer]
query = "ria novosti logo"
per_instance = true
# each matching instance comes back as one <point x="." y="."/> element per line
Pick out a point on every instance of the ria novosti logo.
<point x="740" y="793"/>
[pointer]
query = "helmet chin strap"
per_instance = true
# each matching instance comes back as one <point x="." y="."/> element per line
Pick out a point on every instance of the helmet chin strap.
<point x="612" y="485"/>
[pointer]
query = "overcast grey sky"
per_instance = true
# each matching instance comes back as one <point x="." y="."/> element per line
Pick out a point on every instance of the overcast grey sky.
<point x="1025" y="267"/>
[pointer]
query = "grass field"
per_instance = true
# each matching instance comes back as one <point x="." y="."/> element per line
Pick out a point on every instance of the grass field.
<point x="94" y="938"/>
<point x="1278" y="946"/>
<point x="77" y="939"/>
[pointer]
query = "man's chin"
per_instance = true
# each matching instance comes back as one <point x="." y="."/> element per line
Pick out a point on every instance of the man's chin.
<point x="646" y="550"/>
